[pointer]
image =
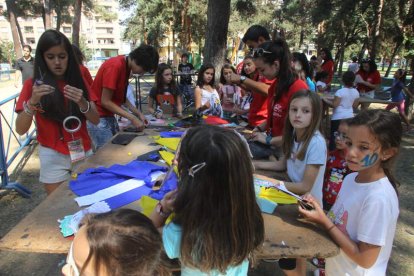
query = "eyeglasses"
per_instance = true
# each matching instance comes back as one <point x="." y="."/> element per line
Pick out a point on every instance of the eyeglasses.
<point x="259" y="52"/>
<point x="71" y="262"/>
<point x="339" y="135"/>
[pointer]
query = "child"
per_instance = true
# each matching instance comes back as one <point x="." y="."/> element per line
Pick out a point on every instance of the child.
<point x="343" y="103"/>
<point x="56" y="92"/>
<point x="364" y="217"/>
<point x="122" y="242"/>
<point x="397" y="95"/>
<point x="212" y="233"/>
<point x="206" y="97"/>
<point x="185" y="81"/>
<point x="230" y="93"/>
<point x="321" y="78"/>
<point x="305" y="154"/>
<point x="165" y="91"/>
<point x="336" y="168"/>
<point x="249" y="71"/>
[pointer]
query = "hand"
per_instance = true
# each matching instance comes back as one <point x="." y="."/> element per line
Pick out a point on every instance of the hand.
<point x="38" y="91"/>
<point x="143" y="119"/>
<point x="73" y="94"/>
<point x="138" y="124"/>
<point x="237" y="110"/>
<point x="258" y="136"/>
<point x="316" y="215"/>
<point x="234" y="78"/>
<point x="168" y="201"/>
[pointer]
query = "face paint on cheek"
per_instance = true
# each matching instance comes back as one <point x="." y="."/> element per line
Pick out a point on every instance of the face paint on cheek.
<point x="369" y="160"/>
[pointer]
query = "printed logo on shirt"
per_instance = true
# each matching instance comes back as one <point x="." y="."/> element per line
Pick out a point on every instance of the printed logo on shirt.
<point x="277" y="111"/>
<point x="339" y="217"/>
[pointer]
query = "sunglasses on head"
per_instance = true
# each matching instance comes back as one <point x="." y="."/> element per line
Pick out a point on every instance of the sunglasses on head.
<point x="259" y="52"/>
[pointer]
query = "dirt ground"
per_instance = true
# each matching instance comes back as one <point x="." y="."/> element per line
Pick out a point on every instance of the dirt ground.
<point x="13" y="208"/>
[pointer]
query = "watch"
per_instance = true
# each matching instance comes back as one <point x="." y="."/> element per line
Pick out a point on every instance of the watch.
<point x="242" y="79"/>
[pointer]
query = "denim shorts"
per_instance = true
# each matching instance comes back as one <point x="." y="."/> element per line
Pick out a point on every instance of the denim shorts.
<point x="103" y="132"/>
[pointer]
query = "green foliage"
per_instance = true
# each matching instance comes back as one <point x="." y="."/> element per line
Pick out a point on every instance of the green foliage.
<point x="7" y="54"/>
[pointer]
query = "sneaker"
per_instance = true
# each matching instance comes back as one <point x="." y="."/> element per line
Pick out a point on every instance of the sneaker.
<point x="319" y="272"/>
<point x="318" y="262"/>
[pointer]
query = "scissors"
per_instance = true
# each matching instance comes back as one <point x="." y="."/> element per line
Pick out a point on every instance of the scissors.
<point x="159" y="183"/>
<point x="42" y="76"/>
<point x="302" y="202"/>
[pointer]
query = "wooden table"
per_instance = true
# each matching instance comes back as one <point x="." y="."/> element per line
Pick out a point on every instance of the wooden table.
<point x="285" y="234"/>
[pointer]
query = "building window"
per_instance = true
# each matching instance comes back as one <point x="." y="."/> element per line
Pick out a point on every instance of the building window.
<point x="67" y="29"/>
<point x="110" y="30"/>
<point x="30" y="40"/>
<point x="28" y="29"/>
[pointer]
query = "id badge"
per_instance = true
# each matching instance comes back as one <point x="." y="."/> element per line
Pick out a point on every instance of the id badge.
<point x="76" y="150"/>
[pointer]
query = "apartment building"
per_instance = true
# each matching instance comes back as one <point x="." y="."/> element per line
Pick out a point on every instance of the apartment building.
<point x="101" y="35"/>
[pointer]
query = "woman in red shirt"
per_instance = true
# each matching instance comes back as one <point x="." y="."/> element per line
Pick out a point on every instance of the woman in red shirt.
<point x="59" y="100"/>
<point x="368" y="79"/>
<point x="327" y="65"/>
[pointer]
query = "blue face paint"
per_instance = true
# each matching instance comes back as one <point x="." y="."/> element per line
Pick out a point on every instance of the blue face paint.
<point x="369" y="160"/>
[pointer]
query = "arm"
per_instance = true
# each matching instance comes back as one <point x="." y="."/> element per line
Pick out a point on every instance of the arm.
<point x="167" y="205"/>
<point x="309" y="177"/>
<point x="107" y="103"/>
<point x="76" y="95"/>
<point x="178" y="100"/>
<point x="363" y="254"/>
<point x="135" y="111"/>
<point x="17" y="75"/>
<point x="270" y="165"/>
<point x="334" y="103"/>
<point x="151" y="105"/>
<point x="261" y="137"/>
<point x="249" y="84"/>
<point x="355" y="103"/>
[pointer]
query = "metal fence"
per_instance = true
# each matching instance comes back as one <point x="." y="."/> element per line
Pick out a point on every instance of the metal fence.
<point x="7" y="154"/>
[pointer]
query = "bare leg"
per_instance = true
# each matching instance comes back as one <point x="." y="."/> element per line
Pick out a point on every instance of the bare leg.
<point x="50" y="187"/>
<point x="300" y="269"/>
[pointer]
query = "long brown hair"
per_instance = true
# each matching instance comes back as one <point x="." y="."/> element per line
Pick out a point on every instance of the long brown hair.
<point x="216" y="209"/>
<point x="386" y="127"/>
<point x="124" y="242"/>
<point x="159" y="80"/>
<point x="288" y="133"/>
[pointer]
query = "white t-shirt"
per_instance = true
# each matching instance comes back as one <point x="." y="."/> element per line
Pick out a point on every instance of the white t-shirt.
<point x="367" y="212"/>
<point x="214" y="99"/>
<point x="316" y="154"/>
<point x="344" y="110"/>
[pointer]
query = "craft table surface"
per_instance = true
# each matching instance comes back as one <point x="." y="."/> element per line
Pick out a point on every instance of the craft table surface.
<point x="330" y="96"/>
<point x="285" y="235"/>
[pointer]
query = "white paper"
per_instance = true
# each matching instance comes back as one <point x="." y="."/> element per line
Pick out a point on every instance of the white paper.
<point x="99" y="207"/>
<point x="109" y="192"/>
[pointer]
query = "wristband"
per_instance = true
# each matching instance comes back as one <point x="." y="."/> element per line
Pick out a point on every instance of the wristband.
<point x="330" y="228"/>
<point x="87" y="108"/>
<point x="268" y="139"/>
<point x="27" y="109"/>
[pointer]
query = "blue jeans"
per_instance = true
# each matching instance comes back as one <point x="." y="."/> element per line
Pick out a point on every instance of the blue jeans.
<point x="103" y="132"/>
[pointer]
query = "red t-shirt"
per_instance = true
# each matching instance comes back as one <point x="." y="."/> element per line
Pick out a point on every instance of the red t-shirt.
<point x="335" y="172"/>
<point x="328" y="67"/>
<point x="86" y="75"/>
<point x="111" y="75"/>
<point x="373" y="78"/>
<point x="258" y="106"/>
<point x="49" y="133"/>
<point x="279" y="109"/>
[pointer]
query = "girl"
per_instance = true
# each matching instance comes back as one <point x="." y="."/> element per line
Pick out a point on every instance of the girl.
<point x="305" y="152"/>
<point x="302" y="68"/>
<point x="273" y="60"/>
<point x="165" y="90"/>
<point x="122" y="242"/>
<point x="343" y="103"/>
<point x="397" y="95"/>
<point x="364" y="217"/>
<point x="321" y="79"/>
<point x="216" y="174"/>
<point x="230" y="93"/>
<point x="59" y="100"/>
<point x="206" y="97"/>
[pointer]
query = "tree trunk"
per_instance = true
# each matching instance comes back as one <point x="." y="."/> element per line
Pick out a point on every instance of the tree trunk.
<point x="341" y="60"/>
<point x="376" y="29"/>
<point x="76" y="22"/>
<point x="218" y="15"/>
<point x="19" y="30"/>
<point x="184" y="25"/>
<point x="394" y="53"/>
<point x="11" y="10"/>
<point x="48" y="14"/>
